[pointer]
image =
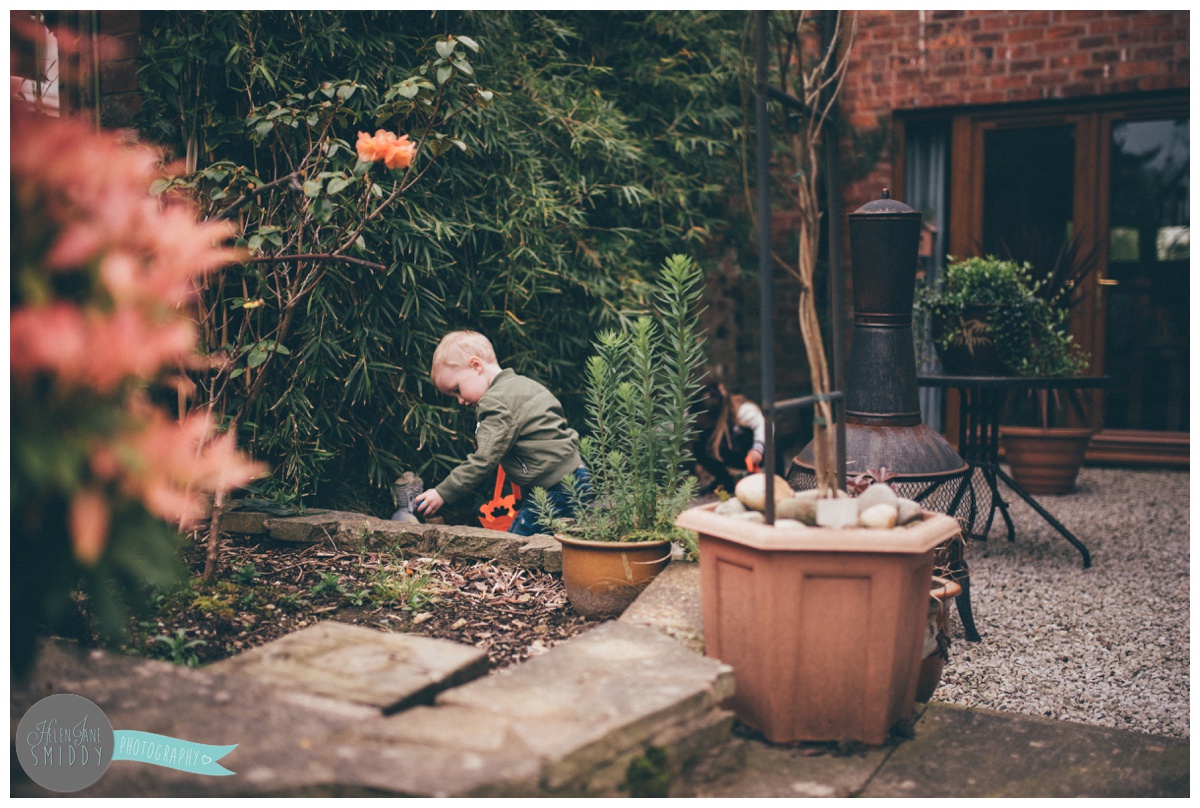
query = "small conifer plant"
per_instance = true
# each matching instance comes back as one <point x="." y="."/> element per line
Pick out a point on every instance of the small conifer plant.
<point x="642" y="384"/>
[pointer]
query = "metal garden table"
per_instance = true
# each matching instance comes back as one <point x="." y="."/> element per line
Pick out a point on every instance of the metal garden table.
<point x="980" y="406"/>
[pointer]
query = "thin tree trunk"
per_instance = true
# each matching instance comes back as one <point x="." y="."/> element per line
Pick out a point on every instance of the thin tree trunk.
<point x="214" y="524"/>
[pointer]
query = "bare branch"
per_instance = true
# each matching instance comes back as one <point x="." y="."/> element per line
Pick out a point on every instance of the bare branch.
<point x="277" y="259"/>
<point x="250" y="193"/>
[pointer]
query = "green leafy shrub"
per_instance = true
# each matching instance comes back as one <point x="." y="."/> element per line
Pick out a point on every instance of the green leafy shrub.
<point x="1028" y="329"/>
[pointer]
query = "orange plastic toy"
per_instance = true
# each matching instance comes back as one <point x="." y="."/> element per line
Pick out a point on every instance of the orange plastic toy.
<point x="498" y="514"/>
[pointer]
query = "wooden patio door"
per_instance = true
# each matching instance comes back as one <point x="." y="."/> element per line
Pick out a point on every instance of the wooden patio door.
<point x="1115" y="183"/>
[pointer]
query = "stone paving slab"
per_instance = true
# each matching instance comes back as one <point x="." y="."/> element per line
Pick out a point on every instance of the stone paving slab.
<point x="756" y="769"/>
<point x="191" y="704"/>
<point x="250" y="523"/>
<point x="380" y="669"/>
<point x="671" y="604"/>
<point x="373" y="533"/>
<point x="600" y="697"/>
<point x="963" y="752"/>
<point x="506" y="549"/>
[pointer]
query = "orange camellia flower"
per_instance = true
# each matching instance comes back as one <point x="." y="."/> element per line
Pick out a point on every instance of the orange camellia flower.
<point x="396" y="152"/>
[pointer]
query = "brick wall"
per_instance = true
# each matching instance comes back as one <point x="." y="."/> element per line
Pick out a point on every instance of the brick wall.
<point x="119" y="97"/>
<point x="904" y="60"/>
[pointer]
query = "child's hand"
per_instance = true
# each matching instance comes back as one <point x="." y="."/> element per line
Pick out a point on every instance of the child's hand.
<point x="754" y="460"/>
<point x="429" y="503"/>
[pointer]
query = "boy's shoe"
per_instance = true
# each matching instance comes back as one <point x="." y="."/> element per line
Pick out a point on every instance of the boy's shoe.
<point x="405" y="490"/>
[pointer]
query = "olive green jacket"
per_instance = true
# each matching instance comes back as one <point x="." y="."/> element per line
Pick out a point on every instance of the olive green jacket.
<point x="520" y="427"/>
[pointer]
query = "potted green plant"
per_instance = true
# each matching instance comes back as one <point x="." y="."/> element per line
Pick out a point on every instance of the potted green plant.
<point x="641" y="384"/>
<point x="1045" y="454"/>
<point x="991" y="316"/>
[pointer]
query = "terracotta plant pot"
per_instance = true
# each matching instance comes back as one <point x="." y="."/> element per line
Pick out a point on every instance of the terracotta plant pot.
<point x="602" y="578"/>
<point x="1045" y="461"/>
<point x="942" y="591"/>
<point x="823" y="627"/>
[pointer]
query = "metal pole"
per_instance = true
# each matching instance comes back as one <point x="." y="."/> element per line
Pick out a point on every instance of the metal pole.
<point x="766" y="329"/>
<point x="833" y="208"/>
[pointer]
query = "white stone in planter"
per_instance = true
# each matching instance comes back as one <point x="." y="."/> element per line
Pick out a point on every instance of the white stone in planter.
<point x="752" y="490"/>
<point x="803" y="506"/>
<point x="909" y="511"/>
<point x="881" y="516"/>
<point x="876" y="494"/>
<point x="800" y="508"/>
<point x="730" y="507"/>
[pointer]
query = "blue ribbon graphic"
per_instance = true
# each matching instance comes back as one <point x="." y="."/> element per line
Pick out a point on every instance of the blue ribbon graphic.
<point x="174" y="753"/>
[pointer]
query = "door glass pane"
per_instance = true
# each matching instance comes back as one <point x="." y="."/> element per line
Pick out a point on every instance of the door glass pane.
<point x="1029" y="193"/>
<point x="1146" y="309"/>
<point x="927" y="189"/>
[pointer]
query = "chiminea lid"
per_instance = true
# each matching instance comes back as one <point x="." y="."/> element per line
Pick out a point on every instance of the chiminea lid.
<point x="887" y="206"/>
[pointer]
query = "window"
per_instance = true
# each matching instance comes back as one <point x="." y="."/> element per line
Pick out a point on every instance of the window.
<point x="37" y="70"/>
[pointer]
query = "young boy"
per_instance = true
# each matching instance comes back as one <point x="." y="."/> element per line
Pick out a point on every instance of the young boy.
<point x="520" y="427"/>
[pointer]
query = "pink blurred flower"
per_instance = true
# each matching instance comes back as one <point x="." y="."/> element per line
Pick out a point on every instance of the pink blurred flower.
<point x="83" y="201"/>
<point x="51" y="338"/>
<point x="90" y="348"/>
<point x="172" y="464"/>
<point x="78" y="244"/>
<point x="88" y="519"/>
<point x="135" y="346"/>
<point x="100" y="202"/>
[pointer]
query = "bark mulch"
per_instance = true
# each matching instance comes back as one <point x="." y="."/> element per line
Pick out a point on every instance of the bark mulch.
<point x="265" y="590"/>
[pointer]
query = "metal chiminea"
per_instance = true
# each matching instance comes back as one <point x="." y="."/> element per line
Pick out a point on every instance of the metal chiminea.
<point x="883" y="412"/>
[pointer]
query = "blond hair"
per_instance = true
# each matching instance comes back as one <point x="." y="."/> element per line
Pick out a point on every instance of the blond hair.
<point x="456" y="349"/>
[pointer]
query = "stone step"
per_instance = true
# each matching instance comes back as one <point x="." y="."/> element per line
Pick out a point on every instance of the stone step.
<point x="584" y="710"/>
<point x="332" y="660"/>
<point x="671" y="604"/>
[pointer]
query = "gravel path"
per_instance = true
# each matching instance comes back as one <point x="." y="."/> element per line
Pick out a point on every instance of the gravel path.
<point x="1107" y="645"/>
